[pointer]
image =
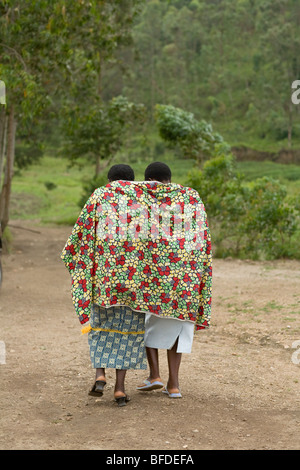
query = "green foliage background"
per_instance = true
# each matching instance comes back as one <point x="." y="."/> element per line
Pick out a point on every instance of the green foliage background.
<point x="230" y="62"/>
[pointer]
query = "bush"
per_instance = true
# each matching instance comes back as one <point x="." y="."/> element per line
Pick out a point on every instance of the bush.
<point x="89" y="187"/>
<point x="252" y="219"/>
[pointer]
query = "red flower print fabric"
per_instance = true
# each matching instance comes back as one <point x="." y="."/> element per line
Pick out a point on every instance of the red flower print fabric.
<point x="145" y="245"/>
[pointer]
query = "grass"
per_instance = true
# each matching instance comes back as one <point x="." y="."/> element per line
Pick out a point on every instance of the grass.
<point x="234" y="132"/>
<point x="272" y="306"/>
<point x="239" y="313"/>
<point x="49" y="191"/>
<point x="283" y="172"/>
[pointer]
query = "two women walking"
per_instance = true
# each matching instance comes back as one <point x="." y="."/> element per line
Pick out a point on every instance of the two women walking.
<point x="139" y="257"/>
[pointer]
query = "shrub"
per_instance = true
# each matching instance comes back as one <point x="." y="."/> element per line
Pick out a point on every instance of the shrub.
<point x="249" y="219"/>
<point x="89" y="187"/>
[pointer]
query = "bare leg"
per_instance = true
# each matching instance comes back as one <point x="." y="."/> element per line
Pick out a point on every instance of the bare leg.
<point x="120" y="396"/>
<point x="100" y="374"/>
<point x="100" y="382"/>
<point x="120" y="383"/>
<point x="174" y="360"/>
<point x="152" y="356"/>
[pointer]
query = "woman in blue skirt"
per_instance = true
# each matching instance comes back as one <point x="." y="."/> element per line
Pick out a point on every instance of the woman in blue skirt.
<point x="116" y="341"/>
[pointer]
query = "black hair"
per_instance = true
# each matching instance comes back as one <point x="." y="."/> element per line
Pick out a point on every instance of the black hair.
<point x="158" y="171"/>
<point x="120" y="172"/>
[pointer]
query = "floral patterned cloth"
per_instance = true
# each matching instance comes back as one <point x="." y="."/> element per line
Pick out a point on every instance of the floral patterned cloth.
<point x="145" y="245"/>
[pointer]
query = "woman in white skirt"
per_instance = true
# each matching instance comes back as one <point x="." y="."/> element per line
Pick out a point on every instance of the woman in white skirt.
<point x="176" y="337"/>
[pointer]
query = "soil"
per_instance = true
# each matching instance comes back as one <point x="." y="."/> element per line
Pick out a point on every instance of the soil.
<point x="240" y="384"/>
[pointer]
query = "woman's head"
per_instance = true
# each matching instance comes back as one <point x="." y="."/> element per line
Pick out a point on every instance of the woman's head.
<point x="120" y="172"/>
<point x="158" y="171"/>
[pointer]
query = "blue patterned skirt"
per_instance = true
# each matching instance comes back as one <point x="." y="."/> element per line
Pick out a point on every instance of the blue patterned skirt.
<point x="116" y="340"/>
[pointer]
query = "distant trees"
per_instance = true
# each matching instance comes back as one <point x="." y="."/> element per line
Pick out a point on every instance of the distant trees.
<point x="231" y="62"/>
<point x="248" y="219"/>
<point x="279" y="65"/>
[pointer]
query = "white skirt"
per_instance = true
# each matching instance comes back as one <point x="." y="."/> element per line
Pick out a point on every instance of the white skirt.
<point x="162" y="333"/>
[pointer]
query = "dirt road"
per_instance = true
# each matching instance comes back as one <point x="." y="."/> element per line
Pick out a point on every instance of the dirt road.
<point x="240" y="385"/>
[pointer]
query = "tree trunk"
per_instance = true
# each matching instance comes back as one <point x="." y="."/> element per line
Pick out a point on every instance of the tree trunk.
<point x="101" y="167"/>
<point x="6" y="188"/>
<point x="290" y="126"/>
<point x="98" y="165"/>
<point x="3" y="132"/>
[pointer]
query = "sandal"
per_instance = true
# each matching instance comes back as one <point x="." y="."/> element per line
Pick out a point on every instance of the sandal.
<point x="122" y="401"/>
<point x="148" y="386"/>
<point x="97" y="389"/>
<point x="172" y="395"/>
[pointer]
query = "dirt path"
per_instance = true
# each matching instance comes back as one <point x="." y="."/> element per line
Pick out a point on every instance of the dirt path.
<point x="240" y="384"/>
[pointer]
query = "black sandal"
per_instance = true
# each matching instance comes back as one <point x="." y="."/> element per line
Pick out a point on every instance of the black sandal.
<point x="122" y="401"/>
<point x="97" y="390"/>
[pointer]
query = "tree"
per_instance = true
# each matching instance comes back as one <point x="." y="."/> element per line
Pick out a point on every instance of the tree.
<point x="248" y="219"/>
<point x="97" y="132"/>
<point x="278" y="25"/>
<point x="40" y="42"/>
<point x="195" y="138"/>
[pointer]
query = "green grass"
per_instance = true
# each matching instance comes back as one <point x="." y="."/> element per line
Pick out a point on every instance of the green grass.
<point x="287" y="174"/>
<point x="235" y="133"/>
<point x="49" y="191"/>
<point x="280" y="171"/>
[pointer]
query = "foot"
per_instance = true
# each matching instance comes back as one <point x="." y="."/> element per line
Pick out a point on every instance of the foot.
<point x="150" y="384"/>
<point x="121" y="398"/>
<point x="97" y="389"/>
<point x="173" y="389"/>
<point x="101" y="378"/>
<point x="172" y="392"/>
<point x="119" y="394"/>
